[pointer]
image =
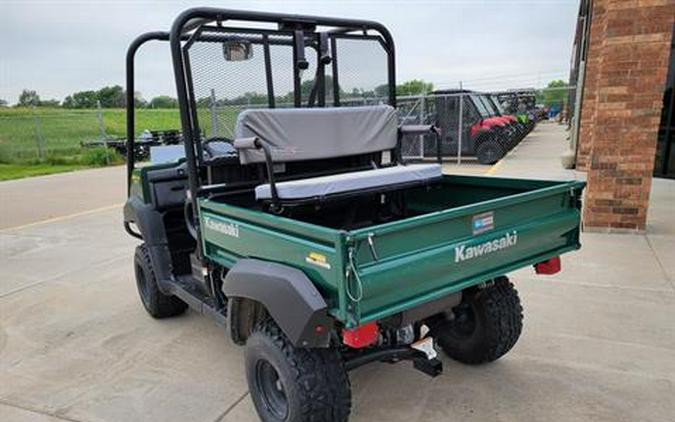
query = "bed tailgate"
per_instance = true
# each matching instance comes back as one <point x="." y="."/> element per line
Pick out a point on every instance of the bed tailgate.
<point x="406" y="263"/>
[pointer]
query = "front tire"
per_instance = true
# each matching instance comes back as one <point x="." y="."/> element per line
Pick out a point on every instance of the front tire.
<point x="155" y="302"/>
<point x="489" y="152"/>
<point x="295" y="384"/>
<point x="486" y="324"/>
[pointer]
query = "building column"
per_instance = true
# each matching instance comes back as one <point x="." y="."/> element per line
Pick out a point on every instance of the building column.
<point x="631" y="75"/>
<point x="596" y="38"/>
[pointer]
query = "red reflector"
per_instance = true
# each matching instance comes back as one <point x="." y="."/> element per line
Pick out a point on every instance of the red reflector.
<point x="362" y="336"/>
<point x="550" y="266"/>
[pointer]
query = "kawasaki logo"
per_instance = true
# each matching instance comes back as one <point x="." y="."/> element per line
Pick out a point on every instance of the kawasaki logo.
<point x="463" y="252"/>
<point x="228" y="229"/>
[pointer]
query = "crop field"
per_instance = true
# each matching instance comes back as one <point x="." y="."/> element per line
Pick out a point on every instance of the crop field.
<point x="58" y="132"/>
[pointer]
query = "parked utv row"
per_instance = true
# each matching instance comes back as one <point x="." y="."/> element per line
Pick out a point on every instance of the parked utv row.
<point x="483" y="128"/>
<point x="520" y="103"/>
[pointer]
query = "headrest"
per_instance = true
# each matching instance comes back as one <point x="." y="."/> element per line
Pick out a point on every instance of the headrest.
<point x="296" y="134"/>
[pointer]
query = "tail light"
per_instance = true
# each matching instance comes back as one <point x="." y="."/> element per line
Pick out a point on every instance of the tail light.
<point x="361" y="336"/>
<point x="550" y="266"/>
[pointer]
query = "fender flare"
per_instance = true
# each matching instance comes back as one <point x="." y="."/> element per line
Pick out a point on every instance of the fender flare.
<point x="147" y="219"/>
<point x="151" y="226"/>
<point x="287" y="294"/>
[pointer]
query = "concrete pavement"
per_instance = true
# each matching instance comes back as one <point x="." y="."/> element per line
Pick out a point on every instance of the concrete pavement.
<point x="36" y="199"/>
<point x="76" y="344"/>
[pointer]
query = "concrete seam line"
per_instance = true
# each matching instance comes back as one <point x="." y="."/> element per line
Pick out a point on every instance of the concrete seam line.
<point x="33" y="409"/>
<point x="590" y="367"/>
<point x="578" y="337"/>
<point x="231" y="407"/>
<point x="601" y="286"/>
<point x="61" y="218"/>
<point x="656" y="256"/>
<point x="57" y="276"/>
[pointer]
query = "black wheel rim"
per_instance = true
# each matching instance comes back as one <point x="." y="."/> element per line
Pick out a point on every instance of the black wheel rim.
<point x="465" y="323"/>
<point x="271" y="389"/>
<point x="491" y="152"/>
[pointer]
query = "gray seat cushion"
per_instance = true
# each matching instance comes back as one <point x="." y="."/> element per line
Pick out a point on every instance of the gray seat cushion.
<point x="215" y="149"/>
<point x="349" y="182"/>
<point x="297" y="134"/>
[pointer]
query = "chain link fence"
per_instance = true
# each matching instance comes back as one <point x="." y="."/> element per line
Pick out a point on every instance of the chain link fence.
<point x="56" y="136"/>
<point x="479" y="126"/>
<point x="474" y="126"/>
<point x="39" y="135"/>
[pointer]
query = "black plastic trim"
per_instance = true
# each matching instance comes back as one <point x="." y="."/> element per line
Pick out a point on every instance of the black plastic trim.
<point x="150" y="224"/>
<point x="287" y="294"/>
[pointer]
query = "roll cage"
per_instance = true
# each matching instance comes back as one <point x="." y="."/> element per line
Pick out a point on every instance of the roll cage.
<point x="299" y="32"/>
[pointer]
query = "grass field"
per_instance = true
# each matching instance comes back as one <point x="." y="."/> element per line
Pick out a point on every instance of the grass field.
<point x="62" y="130"/>
<point x="19" y="171"/>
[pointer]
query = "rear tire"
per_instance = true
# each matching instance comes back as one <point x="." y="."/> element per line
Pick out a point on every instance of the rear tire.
<point x="295" y="384"/>
<point x="486" y="324"/>
<point x="489" y="152"/>
<point x="155" y="302"/>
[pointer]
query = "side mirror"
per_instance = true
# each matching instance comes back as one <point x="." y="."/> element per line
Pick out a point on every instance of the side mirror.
<point x="237" y="51"/>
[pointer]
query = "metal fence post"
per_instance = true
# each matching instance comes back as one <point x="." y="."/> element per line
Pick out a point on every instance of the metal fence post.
<point x="101" y="127"/>
<point x="38" y="136"/>
<point x="422" y="118"/>
<point x="459" y="126"/>
<point x="214" y="114"/>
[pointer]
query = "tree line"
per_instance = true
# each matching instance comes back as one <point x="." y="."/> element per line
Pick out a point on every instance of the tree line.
<point x="107" y="97"/>
<point x="115" y="96"/>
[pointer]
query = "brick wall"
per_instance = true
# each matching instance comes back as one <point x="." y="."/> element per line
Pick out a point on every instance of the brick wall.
<point x="589" y="96"/>
<point x="626" y="73"/>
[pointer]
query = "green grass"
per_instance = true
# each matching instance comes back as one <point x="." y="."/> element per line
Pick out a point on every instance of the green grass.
<point x="87" y="158"/>
<point x="62" y="130"/>
<point x="19" y="171"/>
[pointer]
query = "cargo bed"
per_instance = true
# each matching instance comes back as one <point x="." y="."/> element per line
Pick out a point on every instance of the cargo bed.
<point x="455" y="233"/>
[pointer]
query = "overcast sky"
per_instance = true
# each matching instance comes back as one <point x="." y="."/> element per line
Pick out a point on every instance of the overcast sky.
<point x="58" y="47"/>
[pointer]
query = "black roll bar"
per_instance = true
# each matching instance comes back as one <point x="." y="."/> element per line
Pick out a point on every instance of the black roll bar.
<point x="130" y="97"/>
<point x="192" y="18"/>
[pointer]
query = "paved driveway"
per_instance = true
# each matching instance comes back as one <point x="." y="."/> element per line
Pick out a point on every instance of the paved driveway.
<point x="76" y="344"/>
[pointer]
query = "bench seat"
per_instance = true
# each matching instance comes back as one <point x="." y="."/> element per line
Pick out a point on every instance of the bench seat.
<point x="324" y="186"/>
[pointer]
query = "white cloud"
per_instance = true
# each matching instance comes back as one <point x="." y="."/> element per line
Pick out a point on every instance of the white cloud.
<point x="58" y="47"/>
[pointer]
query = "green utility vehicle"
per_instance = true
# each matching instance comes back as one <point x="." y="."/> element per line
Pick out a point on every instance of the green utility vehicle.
<point x="294" y="221"/>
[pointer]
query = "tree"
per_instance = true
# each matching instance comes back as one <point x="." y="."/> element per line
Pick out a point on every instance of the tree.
<point x="28" y="98"/>
<point x="50" y="103"/>
<point x="3" y="103"/>
<point x="111" y="96"/>
<point x="382" y="90"/>
<point x="411" y="87"/>
<point x="139" y="101"/>
<point x="82" y="99"/>
<point x="164" y="101"/>
<point x="69" y="102"/>
<point x="414" y="87"/>
<point x="307" y="86"/>
<point x="554" y="94"/>
<point x="250" y="98"/>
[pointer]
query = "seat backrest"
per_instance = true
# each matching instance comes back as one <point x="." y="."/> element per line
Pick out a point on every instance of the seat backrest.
<point x="297" y="134"/>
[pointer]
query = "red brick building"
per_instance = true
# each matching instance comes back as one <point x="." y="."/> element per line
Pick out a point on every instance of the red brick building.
<point x="624" y="48"/>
